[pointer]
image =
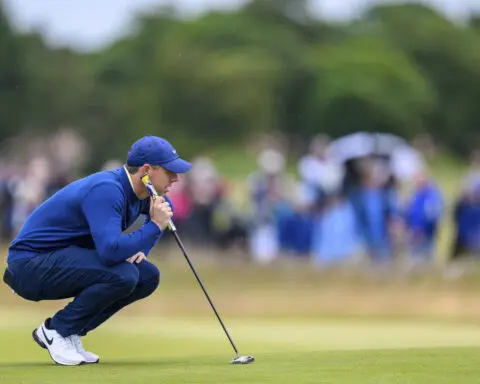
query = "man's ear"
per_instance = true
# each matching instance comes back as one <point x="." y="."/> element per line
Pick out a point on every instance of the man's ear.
<point x="146" y="169"/>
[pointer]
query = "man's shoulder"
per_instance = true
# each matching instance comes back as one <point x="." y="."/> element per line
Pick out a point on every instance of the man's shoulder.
<point x="103" y="179"/>
<point x="106" y="176"/>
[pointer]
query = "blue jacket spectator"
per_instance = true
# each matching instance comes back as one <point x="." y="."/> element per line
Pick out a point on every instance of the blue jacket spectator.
<point x="377" y="209"/>
<point x="335" y="234"/>
<point x="423" y="212"/>
<point x="467" y="220"/>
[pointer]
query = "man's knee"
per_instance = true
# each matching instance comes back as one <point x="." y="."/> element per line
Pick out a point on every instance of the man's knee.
<point x="127" y="278"/>
<point x="149" y="277"/>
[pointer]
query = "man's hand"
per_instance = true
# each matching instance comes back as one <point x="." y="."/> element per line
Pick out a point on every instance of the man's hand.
<point x="137" y="258"/>
<point x="160" y="212"/>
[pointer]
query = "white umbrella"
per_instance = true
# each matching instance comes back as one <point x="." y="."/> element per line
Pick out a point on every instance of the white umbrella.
<point x="403" y="160"/>
<point x="362" y="144"/>
<point x="352" y="146"/>
<point x="406" y="162"/>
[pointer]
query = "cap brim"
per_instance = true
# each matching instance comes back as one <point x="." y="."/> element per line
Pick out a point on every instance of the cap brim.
<point x="177" y="166"/>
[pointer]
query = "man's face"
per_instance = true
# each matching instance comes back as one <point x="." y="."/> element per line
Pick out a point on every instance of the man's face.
<point x="162" y="179"/>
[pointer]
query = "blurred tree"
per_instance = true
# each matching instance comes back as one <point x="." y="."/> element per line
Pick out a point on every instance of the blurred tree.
<point x="124" y="103"/>
<point x="474" y="22"/>
<point x="57" y="85"/>
<point x="447" y="55"/>
<point x="269" y="66"/>
<point x="363" y="84"/>
<point x="12" y="80"/>
<point x="293" y="10"/>
<point x="201" y="79"/>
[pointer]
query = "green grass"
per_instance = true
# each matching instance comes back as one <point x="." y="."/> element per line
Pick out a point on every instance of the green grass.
<point x="193" y="350"/>
<point x="407" y="366"/>
<point x="300" y="326"/>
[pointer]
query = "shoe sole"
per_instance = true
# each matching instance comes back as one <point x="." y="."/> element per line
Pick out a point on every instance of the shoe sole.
<point x="42" y="344"/>
<point x="92" y="362"/>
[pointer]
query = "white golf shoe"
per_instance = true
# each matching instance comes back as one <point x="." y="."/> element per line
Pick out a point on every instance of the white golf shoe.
<point x="90" y="357"/>
<point x="61" y="349"/>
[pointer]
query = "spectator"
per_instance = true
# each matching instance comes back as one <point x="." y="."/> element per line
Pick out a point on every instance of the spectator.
<point x="377" y="209"/>
<point x="181" y="200"/>
<point x="204" y="186"/>
<point x="7" y="203"/>
<point x="269" y="191"/>
<point x="422" y="215"/>
<point x="319" y="175"/>
<point x="30" y="190"/>
<point x="473" y="175"/>
<point x="229" y="222"/>
<point x="467" y="223"/>
<point x="336" y="237"/>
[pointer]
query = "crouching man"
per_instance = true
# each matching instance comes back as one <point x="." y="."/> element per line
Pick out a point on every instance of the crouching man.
<point x="74" y="246"/>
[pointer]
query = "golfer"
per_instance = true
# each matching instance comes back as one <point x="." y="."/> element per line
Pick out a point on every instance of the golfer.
<point x="73" y="246"/>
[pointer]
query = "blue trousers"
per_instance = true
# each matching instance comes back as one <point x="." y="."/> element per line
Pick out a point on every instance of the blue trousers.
<point x="98" y="291"/>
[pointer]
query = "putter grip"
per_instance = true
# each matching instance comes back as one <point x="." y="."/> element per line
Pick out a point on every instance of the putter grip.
<point x="154" y="194"/>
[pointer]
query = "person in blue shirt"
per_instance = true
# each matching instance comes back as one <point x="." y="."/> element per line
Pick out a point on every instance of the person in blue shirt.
<point x="74" y="245"/>
<point x="423" y="212"/>
<point x="467" y="223"/>
<point x="375" y="202"/>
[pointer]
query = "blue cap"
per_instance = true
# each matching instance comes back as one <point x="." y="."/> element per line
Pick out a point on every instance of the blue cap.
<point x="156" y="151"/>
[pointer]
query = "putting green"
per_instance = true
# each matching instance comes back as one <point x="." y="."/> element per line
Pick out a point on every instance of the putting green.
<point x="194" y="350"/>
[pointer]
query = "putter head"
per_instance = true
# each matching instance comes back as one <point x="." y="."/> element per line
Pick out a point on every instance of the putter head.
<point x="243" y="360"/>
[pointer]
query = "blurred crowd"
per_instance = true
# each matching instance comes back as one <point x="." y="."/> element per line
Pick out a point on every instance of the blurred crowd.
<point x="363" y="196"/>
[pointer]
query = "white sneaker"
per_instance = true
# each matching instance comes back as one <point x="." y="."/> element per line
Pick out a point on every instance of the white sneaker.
<point x="90" y="357"/>
<point x="61" y="349"/>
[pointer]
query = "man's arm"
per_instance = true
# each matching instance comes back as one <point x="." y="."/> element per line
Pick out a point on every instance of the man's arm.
<point x="147" y="250"/>
<point x="103" y="207"/>
<point x="146" y="211"/>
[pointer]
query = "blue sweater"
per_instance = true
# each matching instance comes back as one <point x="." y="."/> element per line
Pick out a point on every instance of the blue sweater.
<point x="424" y="210"/>
<point x="91" y="213"/>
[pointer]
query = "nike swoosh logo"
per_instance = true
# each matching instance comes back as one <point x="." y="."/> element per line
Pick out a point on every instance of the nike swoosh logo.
<point x="49" y="341"/>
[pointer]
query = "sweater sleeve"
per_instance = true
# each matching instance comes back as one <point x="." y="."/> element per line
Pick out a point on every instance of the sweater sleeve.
<point x="103" y="207"/>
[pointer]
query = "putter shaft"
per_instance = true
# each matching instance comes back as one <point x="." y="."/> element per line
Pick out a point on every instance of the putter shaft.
<point x="173" y="229"/>
<point x="180" y="244"/>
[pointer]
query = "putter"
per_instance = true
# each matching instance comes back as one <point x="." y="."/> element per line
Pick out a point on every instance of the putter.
<point x="239" y="359"/>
